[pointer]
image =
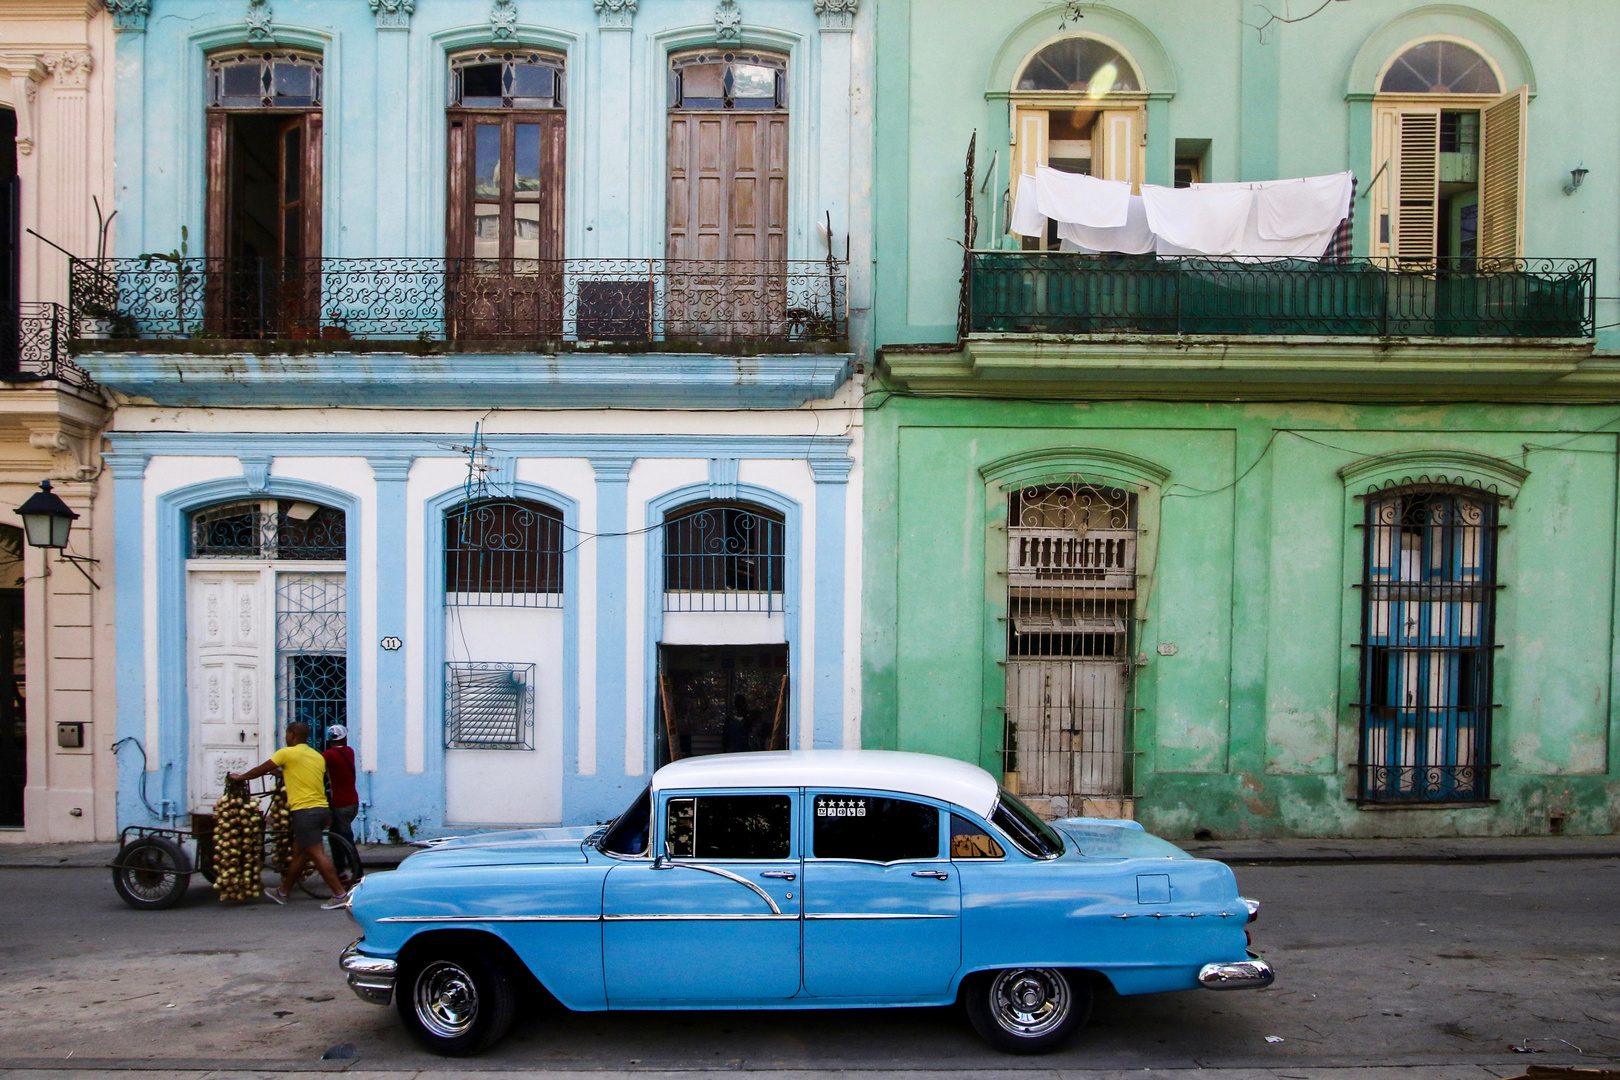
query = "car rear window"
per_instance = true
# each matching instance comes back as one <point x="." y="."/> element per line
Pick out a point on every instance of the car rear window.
<point x="729" y="827"/>
<point x="873" y="829"/>
<point x="1033" y="836"/>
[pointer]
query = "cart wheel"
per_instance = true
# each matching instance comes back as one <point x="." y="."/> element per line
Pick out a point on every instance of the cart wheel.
<point x="151" y="873"/>
<point x="345" y="860"/>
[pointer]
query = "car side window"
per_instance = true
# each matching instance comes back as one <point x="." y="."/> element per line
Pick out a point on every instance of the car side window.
<point x="873" y="829"/>
<point x="729" y="827"/>
<point x="970" y="841"/>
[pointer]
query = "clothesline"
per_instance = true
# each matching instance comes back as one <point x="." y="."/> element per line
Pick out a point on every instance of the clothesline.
<point x="1300" y="218"/>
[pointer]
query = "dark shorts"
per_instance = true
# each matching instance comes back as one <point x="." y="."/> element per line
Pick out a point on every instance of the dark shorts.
<point x="307" y="825"/>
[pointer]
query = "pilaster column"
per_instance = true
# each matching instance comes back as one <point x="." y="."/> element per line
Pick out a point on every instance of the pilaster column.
<point x="610" y="237"/>
<point x="833" y="129"/>
<point x="612" y="615"/>
<point x="831" y="475"/>
<point x="66" y="206"/>
<point x="392" y="155"/>
<point x="383" y="736"/>
<point x="129" y="582"/>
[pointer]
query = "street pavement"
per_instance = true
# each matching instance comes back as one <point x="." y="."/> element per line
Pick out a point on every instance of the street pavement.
<point x="1386" y="970"/>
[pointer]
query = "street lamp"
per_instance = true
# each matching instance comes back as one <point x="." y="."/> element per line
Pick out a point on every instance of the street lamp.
<point x="47" y="520"/>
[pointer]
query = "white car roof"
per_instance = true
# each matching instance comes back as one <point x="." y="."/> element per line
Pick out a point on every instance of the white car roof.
<point x="945" y="779"/>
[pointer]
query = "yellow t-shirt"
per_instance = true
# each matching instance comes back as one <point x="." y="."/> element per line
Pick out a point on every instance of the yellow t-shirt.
<point x="304" y="770"/>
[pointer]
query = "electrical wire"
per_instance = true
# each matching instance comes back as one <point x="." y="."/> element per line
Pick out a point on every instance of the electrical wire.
<point x="132" y="739"/>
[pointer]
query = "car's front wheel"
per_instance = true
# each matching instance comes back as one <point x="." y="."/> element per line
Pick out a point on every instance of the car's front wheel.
<point x="456" y="1004"/>
<point x="1027" y="1010"/>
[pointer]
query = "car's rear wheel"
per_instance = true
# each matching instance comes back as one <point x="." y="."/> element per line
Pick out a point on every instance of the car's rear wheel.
<point x="1027" y="1010"/>
<point x="456" y="1004"/>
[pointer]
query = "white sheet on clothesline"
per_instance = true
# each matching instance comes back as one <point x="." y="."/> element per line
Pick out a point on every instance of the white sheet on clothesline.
<point x="1081" y="200"/>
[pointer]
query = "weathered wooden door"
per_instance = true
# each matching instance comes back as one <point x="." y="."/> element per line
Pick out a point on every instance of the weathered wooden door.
<point x="1070" y="720"/>
<point x="231" y="644"/>
<point x="505" y="223"/>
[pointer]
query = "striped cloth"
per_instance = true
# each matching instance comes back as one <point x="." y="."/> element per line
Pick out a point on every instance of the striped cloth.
<point x="1338" y="249"/>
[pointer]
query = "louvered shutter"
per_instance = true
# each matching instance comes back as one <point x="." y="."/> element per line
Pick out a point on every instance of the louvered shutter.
<point x="1501" y="176"/>
<point x="1417" y="184"/>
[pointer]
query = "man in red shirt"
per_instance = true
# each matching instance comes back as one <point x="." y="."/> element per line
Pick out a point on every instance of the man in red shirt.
<point x="344" y="799"/>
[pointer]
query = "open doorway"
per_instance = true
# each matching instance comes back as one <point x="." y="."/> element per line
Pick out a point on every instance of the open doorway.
<point x="721" y="699"/>
<point x="13" y="709"/>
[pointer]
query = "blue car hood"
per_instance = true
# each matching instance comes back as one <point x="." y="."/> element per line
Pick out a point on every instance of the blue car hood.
<point x="1098" y="838"/>
<point x="526" y="847"/>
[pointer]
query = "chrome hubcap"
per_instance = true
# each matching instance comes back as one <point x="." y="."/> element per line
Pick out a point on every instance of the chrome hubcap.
<point x="446" y="999"/>
<point x="1030" y="1001"/>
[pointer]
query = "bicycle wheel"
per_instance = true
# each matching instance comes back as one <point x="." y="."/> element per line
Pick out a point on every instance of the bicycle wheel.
<point x="345" y="860"/>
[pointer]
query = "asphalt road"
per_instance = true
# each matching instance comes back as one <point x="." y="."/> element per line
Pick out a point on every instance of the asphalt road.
<point x="1408" y="965"/>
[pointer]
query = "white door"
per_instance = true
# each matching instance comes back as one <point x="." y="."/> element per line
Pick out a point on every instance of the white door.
<point x="230" y="644"/>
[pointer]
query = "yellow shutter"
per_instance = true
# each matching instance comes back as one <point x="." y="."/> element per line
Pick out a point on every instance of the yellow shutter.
<point x="1417" y="184"/>
<point x="1030" y="136"/>
<point x="1501" y="176"/>
<point x="1116" y="146"/>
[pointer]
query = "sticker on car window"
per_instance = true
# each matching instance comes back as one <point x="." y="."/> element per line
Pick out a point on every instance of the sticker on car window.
<point x="832" y="806"/>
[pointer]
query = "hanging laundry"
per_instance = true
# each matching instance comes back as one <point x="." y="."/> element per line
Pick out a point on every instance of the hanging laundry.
<point x="1198" y="220"/>
<point x="1081" y="200"/>
<point x="1026" y="220"/>
<point x="1132" y="238"/>
<point x="1290" y="209"/>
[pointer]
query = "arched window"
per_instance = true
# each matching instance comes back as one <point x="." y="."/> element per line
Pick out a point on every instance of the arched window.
<point x="504" y="553"/>
<point x="1079" y="65"/>
<point x="723" y="556"/>
<point x="1428" y="626"/>
<point x="1440" y="67"/>
<point x="281" y="529"/>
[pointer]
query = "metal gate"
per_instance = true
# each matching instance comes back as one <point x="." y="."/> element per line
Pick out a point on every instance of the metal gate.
<point x="312" y="641"/>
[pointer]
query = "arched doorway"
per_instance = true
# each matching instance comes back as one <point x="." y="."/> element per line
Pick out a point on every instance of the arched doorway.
<point x="267" y="631"/>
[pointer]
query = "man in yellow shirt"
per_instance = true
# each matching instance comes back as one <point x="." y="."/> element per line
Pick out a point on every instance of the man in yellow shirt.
<point x="304" y="772"/>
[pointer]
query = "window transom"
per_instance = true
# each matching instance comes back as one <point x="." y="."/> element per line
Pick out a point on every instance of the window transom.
<point x="1440" y="67"/>
<point x="264" y="80"/>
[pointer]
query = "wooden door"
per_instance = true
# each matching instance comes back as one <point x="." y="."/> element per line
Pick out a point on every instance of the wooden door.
<point x="727" y="205"/>
<point x="505" y="223"/>
<point x="230" y="633"/>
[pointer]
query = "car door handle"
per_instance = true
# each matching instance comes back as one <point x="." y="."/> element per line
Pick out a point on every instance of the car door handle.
<point x="940" y="874"/>
<point x="785" y="875"/>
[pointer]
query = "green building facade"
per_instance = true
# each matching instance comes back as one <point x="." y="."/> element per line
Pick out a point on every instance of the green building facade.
<point x="1281" y="549"/>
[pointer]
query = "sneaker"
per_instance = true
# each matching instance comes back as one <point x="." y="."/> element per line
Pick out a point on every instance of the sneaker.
<point x="275" y="895"/>
<point x="336" y="902"/>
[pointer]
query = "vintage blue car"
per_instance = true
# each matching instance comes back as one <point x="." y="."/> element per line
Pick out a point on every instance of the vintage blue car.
<point x="813" y="879"/>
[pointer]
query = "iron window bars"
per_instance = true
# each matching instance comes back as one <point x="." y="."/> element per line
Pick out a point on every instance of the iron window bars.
<point x="724" y="557"/>
<point x="269" y="529"/>
<point x="1428" y="629"/>
<point x="312" y="640"/>
<point x="786" y="301"/>
<point x="503" y="553"/>
<point x="488" y="706"/>
<point x="1072" y="293"/>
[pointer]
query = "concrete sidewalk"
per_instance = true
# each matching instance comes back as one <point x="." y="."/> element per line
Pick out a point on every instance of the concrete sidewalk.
<point x="1030" y="1069"/>
<point x="1244" y="852"/>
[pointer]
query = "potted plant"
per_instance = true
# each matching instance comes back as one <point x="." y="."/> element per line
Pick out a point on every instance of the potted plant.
<point x="97" y="321"/>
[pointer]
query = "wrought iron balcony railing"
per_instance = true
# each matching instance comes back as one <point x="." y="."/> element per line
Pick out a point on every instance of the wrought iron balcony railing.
<point x="34" y="346"/>
<point x="1071" y="293"/>
<point x="461" y="300"/>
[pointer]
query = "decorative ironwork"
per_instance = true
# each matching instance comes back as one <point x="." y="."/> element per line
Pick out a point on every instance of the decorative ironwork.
<point x="269" y="529"/>
<point x="724" y="557"/>
<point x="34" y="345"/>
<point x="1071" y="589"/>
<point x="1071" y="293"/>
<point x="488" y="706"/>
<point x="312" y="641"/>
<point x="503" y="553"/>
<point x="540" y="301"/>
<point x="1428" y="628"/>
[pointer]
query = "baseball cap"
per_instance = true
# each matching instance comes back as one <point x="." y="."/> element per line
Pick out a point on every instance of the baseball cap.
<point x="337" y="731"/>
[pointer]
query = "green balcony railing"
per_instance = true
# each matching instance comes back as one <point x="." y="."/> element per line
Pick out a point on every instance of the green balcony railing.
<point x="1070" y="293"/>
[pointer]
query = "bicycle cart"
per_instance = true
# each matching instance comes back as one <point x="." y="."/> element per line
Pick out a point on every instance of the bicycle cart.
<point x="153" y="867"/>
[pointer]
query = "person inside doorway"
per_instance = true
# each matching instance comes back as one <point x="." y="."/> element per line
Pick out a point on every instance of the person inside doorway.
<point x="345" y="801"/>
<point x="304" y="772"/>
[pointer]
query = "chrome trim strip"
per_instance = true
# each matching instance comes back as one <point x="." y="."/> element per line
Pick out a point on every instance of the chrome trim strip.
<point x="738" y="878"/>
<point x="487" y="918"/>
<point x="689" y="918"/>
<point x="1251" y="974"/>
<point x="874" y="915"/>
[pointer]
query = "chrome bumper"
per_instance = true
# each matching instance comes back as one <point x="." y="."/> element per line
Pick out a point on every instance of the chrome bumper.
<point x="370" y="977"/>
<point x="1251" y="974"/>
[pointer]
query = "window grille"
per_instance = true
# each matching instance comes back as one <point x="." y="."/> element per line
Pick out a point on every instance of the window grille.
<point x="724" y="557"/>
<point x="1428" y="629"/>
<point x="503" y="553"/>
<point x="1071" y="589"/>
<point x="312" y="640"/>
<point x="269" y="529"/>
<point x="488" y="706"/>
<point x="264" y="80"/>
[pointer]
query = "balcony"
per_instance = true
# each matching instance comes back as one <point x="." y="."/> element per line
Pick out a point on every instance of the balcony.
<point x="34" y="347"/>
<point x="356" y="331"/>
<point x="1067" y="293"/>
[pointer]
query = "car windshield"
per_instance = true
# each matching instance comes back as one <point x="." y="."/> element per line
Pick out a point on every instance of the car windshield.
<point x="1033" y="836"/>
<point x="628" y="833"/>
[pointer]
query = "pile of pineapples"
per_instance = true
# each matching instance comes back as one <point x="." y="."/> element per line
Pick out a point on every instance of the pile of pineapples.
<point x="238" y="843"/>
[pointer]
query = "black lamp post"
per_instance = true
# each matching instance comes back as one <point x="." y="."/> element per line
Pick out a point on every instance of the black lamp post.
<point x="47" y="520"/>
